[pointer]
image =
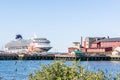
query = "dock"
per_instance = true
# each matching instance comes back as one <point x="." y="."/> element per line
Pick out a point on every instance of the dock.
<point x="57" y="57"/>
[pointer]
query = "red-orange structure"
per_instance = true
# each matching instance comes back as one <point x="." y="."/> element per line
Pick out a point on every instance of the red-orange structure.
<point x="99" y="44"/>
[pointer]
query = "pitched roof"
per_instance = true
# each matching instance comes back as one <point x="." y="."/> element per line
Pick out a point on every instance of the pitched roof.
<point x="78" y="52"/>
<point x="108" y="40"/>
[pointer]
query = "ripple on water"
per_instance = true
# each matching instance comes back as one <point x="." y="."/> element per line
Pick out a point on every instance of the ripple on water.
<point x="20" y="70"/>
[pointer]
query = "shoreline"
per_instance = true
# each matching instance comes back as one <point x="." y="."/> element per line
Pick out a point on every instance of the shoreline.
<point x="5" y="56"/>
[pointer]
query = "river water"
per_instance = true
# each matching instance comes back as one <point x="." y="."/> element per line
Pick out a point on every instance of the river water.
<point x="20" y="69"/>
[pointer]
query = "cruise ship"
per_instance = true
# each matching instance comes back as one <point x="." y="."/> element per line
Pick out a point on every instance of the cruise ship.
<point x="20" y="45"/>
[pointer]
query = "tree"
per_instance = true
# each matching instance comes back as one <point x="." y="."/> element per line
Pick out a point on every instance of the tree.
<point x="60" y="71"/>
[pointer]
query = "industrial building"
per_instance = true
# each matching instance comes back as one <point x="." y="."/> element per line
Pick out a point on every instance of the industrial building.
<point x="97" y="45"/>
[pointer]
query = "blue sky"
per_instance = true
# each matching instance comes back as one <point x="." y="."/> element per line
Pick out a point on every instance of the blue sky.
<point x="60" y="21"/>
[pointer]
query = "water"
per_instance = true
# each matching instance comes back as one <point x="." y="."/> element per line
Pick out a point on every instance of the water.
<point x="19" y="70"/>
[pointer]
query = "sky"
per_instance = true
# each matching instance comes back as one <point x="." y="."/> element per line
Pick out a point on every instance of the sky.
<point x="60" y="21"/>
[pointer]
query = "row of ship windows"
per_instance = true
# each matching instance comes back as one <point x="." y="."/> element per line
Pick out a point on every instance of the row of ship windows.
<point x="41" y="41"/>
<point x="12" y="48"/>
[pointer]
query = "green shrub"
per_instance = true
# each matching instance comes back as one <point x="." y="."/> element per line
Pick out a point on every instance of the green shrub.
<point x="59" y="71"/>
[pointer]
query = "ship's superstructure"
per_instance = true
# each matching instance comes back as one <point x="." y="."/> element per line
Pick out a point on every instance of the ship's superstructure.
<point x="19" y="45"/>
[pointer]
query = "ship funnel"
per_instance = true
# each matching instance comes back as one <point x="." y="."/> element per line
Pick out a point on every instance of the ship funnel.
<point x="18" y="37"/>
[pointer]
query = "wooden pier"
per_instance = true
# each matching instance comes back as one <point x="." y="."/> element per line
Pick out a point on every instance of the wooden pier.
<point x="57" y="57"/>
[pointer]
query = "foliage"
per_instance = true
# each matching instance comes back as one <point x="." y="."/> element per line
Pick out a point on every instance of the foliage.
<point x="117" y="76"/>
<point x="59" y="71"/>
